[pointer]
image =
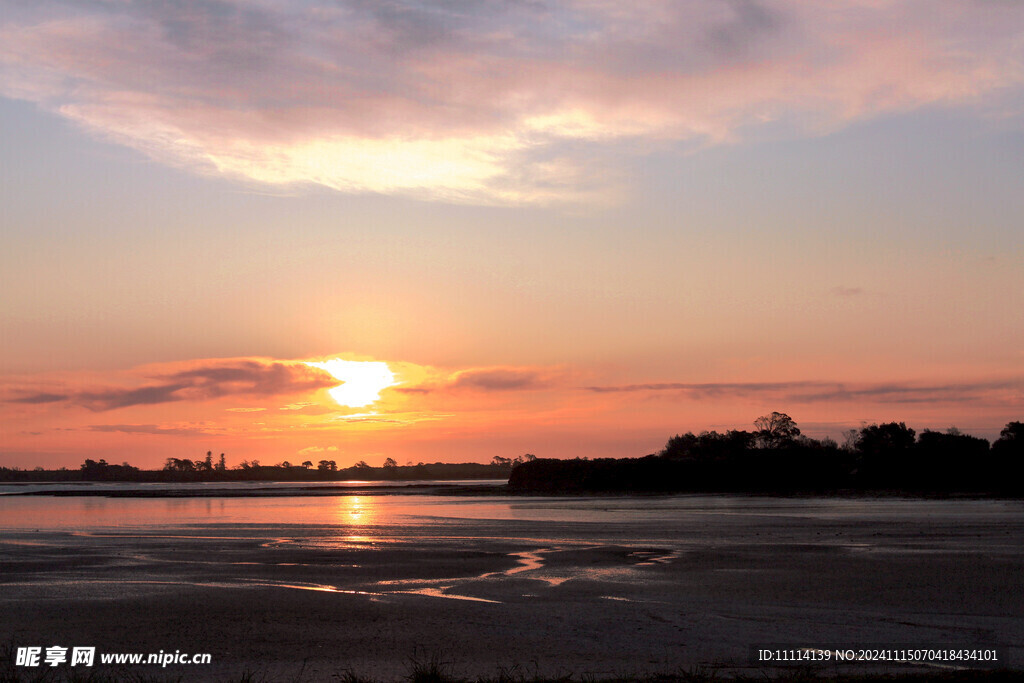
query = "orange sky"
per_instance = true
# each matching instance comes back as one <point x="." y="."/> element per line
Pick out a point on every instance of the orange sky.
<point x="257" y="408"/>
<point x="569" y="229"/>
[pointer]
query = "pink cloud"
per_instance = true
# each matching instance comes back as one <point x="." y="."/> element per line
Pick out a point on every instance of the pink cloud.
<point x="470" y="101"/>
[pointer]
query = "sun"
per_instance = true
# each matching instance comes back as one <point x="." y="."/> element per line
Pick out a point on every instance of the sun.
<point x="363" y="380"/>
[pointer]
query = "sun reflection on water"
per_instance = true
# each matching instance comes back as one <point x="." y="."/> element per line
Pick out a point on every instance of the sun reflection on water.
<point x="358" y="513"/>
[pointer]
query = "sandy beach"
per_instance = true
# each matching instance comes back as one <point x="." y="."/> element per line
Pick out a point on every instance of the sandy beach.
<point x="526" y="595"/>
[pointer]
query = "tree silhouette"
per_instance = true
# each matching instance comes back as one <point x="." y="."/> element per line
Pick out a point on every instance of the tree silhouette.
<point x="949" y="460"/>
<point x="680" y="446"/>
<point x="850" y="439"/>
<point x="888" y="437"/>
<point x="1011" y="438"/>
<point x="1008" y="457"/>
<point x="179" y="465"/>
<point x="885" y="454"/>
<point x="711" y="445"/>
<point x="102" y="470"/>
<point x="775" y="430"/>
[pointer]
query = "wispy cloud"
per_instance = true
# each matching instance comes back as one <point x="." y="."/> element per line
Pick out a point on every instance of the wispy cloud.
<point x="1012" y="390"/>
<point x="310" y="450"/>
<point x="301" y="405"/>
<point x="38" y="398"/>
<point x="207" y="380"/>
<point x="110" y="399"/>
<point x="148" y="429"/>
<point x="473" y="101"/>
<point x="815" y="392"/>
<point x="499" y="379"/>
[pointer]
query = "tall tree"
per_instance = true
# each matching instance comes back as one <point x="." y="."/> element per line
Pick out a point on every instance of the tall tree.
<point x="775" y="430"/>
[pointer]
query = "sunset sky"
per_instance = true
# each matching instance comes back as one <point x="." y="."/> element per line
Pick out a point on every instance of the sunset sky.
<point x="567" y="228"/>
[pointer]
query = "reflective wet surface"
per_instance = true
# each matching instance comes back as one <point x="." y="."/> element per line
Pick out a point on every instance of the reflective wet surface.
<point x="563" y="581"/>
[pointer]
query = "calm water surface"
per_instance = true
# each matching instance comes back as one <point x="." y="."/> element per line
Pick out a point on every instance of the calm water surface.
<point x="905" y="524"/>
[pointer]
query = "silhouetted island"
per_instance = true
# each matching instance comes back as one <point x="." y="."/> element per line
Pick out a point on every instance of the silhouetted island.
<point x="777" y="458"/>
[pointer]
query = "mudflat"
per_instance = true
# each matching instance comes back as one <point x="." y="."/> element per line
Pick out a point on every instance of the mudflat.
<point x="628" y="588"/>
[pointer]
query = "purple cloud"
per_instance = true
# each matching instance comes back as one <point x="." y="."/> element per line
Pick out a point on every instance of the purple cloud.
<point x="231" y="378"/>
<point x="498" y="379"/>
<point x="253" y="378"/>
<point x="813" y="392"/>
<point x="38" y="398"/>
<point x="473" y="101"/>
<point x="109" y="399"/>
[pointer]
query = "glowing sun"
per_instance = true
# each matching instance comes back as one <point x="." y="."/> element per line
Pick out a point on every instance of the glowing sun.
<point x="363" y="380"/>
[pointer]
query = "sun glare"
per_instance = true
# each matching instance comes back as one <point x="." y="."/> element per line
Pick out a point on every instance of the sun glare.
<point x="363" y="380"/>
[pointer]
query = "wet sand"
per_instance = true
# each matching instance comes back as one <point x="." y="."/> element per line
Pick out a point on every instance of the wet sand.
<point x="490" y="595"/>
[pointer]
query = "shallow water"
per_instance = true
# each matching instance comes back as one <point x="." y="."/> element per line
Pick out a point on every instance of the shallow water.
<point x="701" y="577"/>
<point x="950" y="524"/>
<point x="16" y="488"/>
<point x="550" y="540"/>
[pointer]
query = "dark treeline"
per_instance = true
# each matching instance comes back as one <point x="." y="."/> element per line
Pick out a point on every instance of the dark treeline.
<point x="776" y="458"/>
<point x="209" y="469"/>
